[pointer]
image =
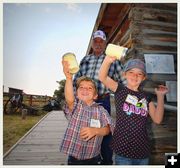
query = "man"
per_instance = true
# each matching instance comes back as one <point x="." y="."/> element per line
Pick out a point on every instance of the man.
<point x="89" y="66"/>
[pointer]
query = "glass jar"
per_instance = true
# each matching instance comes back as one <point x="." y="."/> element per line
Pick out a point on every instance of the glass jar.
<point x="116" y="50"/>
<point x="73" y="64"/>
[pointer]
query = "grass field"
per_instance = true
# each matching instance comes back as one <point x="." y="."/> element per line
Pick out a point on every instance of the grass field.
<point x="14" y="127"/>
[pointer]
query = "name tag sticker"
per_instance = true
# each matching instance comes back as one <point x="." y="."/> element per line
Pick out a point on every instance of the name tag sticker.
<point x="95" y="123"/>
<point x="144" y="103"/>
<point x="131" y="99"/>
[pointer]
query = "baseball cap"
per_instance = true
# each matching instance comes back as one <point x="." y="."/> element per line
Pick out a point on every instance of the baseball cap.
<point x="100" y="34"/>
<point x="135" y="63"/>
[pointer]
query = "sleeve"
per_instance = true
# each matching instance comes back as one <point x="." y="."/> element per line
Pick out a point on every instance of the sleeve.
<point x="106" y="119"/>
<point x="148" y="97"/>
<point x="67" y="112"/>
<point x="120" y="87"/>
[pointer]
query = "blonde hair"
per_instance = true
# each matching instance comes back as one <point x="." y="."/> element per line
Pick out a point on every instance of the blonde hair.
<point x="85" y="78"/>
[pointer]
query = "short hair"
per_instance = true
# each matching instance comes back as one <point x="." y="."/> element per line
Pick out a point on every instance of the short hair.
<point x="85" y="78"/>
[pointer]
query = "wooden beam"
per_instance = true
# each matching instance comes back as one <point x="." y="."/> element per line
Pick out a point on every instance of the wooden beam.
<point x="121" y="17"/>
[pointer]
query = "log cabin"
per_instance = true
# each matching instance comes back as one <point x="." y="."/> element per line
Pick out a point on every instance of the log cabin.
<point x="147" y="29"/>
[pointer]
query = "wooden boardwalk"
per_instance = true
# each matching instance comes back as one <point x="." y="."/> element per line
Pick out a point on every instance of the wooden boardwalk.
<point x="40" y="146"/>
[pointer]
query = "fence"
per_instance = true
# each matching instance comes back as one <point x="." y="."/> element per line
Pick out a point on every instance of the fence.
<point x="29" y="100"/>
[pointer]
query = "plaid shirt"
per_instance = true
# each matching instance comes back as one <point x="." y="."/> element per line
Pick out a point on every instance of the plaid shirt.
<point x="90" y="65"/>
<point x="80" y="117"/>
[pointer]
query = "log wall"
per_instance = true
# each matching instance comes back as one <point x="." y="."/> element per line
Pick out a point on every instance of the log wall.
<point x="146" y="29"/>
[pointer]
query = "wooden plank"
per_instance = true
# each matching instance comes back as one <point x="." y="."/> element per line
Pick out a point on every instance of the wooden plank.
<point x="123" y="15"/>
<point x="41" y="145"/>
<point x="44" y="135"/>
<point x="123" y="31"/>
<point x="37" y="154"/>
<point x="45" y="158"/>
<point x="34" y="163"/>
<point x="52" y="141"/>
<point x="36" y="148"/>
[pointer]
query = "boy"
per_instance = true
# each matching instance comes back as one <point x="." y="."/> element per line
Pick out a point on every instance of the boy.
<point x="88" y="122"/>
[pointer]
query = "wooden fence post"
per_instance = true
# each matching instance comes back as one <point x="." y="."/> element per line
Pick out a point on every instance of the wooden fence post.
<point x="24" y="114"/>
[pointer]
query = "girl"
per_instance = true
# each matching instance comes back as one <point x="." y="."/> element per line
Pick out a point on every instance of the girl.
<point x="130" y="139"/>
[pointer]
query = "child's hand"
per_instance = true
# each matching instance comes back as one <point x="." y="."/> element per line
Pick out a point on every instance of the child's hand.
<point x="161" y="90"/>
<point x="110" y="59"/>
<point x="66" y="69"/>
<point x="87" y="133"/>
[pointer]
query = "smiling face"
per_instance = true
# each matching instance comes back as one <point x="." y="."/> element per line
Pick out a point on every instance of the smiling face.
<point x="98" y="45"/>
<point x="134" y="78"/>
<point x="86" y="92"/>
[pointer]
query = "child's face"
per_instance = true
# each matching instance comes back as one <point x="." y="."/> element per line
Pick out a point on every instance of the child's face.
<point x="134" y="77"/>
<point x="86" y="92"/>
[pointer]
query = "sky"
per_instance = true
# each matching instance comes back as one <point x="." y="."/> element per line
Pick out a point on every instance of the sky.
<point x="36" y="35"/>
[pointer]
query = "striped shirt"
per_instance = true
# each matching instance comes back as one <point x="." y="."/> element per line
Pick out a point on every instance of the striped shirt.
<point x="80" y="117"/>
<point x="90" y="66"/>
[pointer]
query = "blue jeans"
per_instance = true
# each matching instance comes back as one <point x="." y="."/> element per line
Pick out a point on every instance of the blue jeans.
<point x="106" y="151"/>
<point x="120" y="160"/>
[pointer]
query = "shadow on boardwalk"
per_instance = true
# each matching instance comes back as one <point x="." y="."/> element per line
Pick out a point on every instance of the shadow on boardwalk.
<point x="41" y="145"/>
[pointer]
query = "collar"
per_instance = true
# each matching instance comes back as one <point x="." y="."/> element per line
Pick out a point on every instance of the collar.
<point x="94" y="104"/>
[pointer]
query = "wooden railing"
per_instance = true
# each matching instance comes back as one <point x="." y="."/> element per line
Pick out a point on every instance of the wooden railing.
<point x="29" y="100"/>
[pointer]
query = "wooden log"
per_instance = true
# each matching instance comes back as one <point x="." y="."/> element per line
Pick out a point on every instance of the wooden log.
<point x="158" y="29"/>
<point x="158" y="48"/>
<point x="161" y="37"/>
<point x="147" y="13"/>
<point x="162" y="6"/>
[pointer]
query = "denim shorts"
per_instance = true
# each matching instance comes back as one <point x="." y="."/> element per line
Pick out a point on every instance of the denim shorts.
<point x="121" y="160"/>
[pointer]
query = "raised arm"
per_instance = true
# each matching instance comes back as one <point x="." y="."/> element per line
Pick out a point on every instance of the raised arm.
<point x="157" y="113"/>
<point x="103" y="74"/>
<point x="68" y="90"/>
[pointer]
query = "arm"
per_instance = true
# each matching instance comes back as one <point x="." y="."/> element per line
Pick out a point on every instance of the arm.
<point x="87" y="133"/>
<point x="68" y="90"/>
<point x="157" y="113"/>
<point x="103" y="74"/>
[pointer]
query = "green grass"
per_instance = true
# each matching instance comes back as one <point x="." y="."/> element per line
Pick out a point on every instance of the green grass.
<point x="14" y="127"/>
